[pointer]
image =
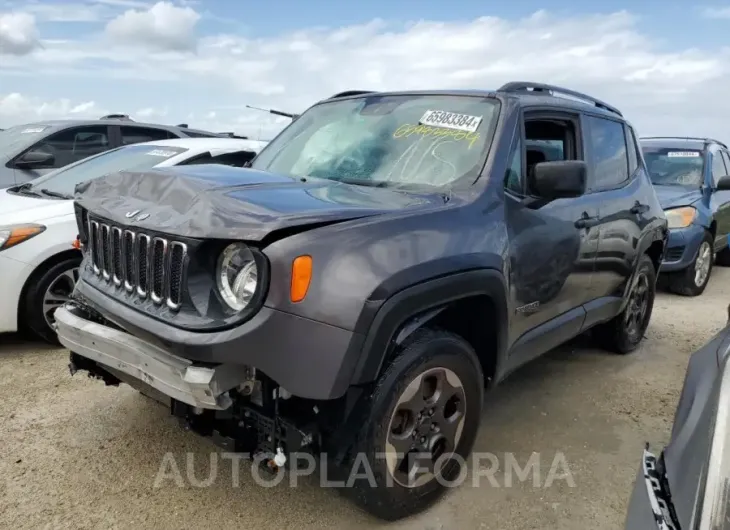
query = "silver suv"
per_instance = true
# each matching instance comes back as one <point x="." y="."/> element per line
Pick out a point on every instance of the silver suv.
<point x="31" y="150"/>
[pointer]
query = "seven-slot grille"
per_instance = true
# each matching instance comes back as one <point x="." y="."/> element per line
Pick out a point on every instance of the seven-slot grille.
<point x="148" y="266"/>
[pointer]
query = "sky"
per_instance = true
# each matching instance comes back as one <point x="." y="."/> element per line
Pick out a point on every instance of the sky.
<point x="666" y="64"/>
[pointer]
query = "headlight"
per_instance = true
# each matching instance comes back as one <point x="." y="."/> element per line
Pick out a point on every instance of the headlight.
<point x="16" y="234"/>
<point x="237" y="276"/>
<point x="680" y="217"/>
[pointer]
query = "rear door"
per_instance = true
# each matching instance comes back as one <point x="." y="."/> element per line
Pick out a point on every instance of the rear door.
<point x="616" y="177"/>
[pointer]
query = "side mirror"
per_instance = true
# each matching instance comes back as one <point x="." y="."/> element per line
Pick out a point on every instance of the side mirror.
<point x="723" y="183"/>
<point x="35" y="159"/>
<point x="560" y="179"/>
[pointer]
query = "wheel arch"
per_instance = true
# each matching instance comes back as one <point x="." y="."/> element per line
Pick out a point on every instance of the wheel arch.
<point x="435" y="302"/>
<point x="38" y="271"/>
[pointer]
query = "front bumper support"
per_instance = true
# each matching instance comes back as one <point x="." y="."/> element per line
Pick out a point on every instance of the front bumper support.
<point x="178" y="378"/>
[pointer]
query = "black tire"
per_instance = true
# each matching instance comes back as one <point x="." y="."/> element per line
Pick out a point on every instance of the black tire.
<point x="32" y="315"/>
<point x="723" y="257"/>
<point x="623" y="333"/>
<point x="688" y="282"/>
<point x="428" y="352"/>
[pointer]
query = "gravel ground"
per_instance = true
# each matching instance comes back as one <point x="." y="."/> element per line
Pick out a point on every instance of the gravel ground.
<point x="76" y="454"/>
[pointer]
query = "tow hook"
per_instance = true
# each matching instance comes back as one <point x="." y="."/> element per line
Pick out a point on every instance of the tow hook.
<point x="278" y="461"/>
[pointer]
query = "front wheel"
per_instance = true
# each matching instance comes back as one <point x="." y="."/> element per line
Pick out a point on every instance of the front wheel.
<point x="693" y="280"/>
<point x="419" y="427"/>
<point x="49" y="289"/>
<point x="624" y="332"/>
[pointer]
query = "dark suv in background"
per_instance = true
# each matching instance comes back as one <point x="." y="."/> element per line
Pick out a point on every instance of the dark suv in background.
<point x="385" y="259"/>
<point x="31" y="150"/>
<point x="690" y="176"/>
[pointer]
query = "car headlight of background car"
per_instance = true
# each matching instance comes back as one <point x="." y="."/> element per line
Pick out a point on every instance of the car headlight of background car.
<point x="237" y="276"/>
<point x="16" y="234"/>
<point x="680" y="217"/>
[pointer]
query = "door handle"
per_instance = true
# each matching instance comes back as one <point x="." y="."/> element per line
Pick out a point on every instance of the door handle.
<point x="587" y="221"/>
<point x="639" y="208"/>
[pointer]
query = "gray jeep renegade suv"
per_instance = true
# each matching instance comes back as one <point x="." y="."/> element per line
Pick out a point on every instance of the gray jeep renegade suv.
<point x="384" y="260"/>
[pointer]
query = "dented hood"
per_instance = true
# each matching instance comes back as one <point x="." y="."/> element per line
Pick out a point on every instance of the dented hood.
<point x="223" y="202"/>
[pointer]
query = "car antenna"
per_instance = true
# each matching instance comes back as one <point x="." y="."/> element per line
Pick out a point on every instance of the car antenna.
<point x="275" y="112"/>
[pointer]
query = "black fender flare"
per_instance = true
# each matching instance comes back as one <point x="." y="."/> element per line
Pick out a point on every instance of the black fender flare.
<point x="407" y="310"/>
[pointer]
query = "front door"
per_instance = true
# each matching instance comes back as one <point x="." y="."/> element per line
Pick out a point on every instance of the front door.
<point x="552" y="245"/>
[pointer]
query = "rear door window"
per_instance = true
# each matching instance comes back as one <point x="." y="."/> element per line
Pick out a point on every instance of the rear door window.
<point x="135" y="135"/>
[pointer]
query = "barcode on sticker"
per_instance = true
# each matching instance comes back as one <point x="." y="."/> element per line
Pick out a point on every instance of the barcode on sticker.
<point x="161" y="152"/>
<point x="680" y="154"/>
<point x="451" y="120"/>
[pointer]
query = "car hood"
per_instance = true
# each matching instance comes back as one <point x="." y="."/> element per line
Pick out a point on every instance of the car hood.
<point x="224" y="202"/>
<point x="675" y="196"/>
<point x="686" y="456"/>
<point x="16" y="209"/>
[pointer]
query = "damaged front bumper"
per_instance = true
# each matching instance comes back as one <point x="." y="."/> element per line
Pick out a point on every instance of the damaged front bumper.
<point x="198" y="386"/>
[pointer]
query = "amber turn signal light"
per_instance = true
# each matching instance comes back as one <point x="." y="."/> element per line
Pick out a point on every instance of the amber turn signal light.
<point x="301" y="275"/>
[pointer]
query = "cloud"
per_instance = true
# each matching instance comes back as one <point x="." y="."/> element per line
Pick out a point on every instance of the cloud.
<point x="163" y="26"/>
<point x="18" y="34"/>
<point x="662" y="91"/>
<point x="16" y="108"/>
<point x="716" y="12"/>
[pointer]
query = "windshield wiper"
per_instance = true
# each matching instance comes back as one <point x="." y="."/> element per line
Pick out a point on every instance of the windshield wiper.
<point x="56" y="194"/>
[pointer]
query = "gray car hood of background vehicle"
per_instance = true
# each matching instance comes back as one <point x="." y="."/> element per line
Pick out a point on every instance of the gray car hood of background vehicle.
<point x="216" y="201"/>
<point x="687" y="455"/>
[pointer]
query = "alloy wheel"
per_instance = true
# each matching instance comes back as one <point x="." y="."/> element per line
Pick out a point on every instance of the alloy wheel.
<point x="425" y="428"/>
<point x="637" y="309"/>
<point x="58" y="293"/>
<point x="703" y="263"/>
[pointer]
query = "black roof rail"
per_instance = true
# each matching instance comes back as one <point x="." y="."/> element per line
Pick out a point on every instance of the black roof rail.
<point x="695" y="138"/>
<point x="116" y="117"/>
<point x="527" y="86"/>
<point x="348" y="93"/>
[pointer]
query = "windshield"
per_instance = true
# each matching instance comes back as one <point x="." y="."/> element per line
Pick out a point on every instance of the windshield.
<point x="18" y="137"/>
<point x="133" y="157"/>
<point x="395" y="141"/>
<point x="674" y="167"/>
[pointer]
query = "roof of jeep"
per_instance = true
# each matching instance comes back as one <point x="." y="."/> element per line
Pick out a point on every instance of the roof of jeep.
<point x="62" y="124"/>
<point x="525" y="97"/>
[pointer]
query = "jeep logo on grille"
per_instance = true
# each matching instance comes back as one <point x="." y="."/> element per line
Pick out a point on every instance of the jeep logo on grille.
<point x="140" y="217"/>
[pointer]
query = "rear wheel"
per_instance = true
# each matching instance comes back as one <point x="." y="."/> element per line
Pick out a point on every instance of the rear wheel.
<point x="419" y="428"/>
<point x="693" y="280"/>
<point x="49" y="289"/>
<point x="624" y="332"/>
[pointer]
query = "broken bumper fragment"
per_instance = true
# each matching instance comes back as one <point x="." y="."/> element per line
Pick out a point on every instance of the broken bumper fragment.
<point x="199" y="386"/>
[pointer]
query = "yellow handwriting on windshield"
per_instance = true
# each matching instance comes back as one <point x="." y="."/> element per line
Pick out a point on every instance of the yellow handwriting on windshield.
<point x="408" y="129"/>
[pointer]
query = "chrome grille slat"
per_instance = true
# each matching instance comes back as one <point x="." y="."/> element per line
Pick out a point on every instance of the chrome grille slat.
<point x="144" y="265"/>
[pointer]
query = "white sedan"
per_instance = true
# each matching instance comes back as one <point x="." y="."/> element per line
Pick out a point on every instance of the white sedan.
<point x="38" y="263"/>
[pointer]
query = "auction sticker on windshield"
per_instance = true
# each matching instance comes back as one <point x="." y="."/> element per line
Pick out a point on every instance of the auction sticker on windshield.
<point x="161" y="152"/>
<point x="451" y="120"/>
<point x="683" y="154"/>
